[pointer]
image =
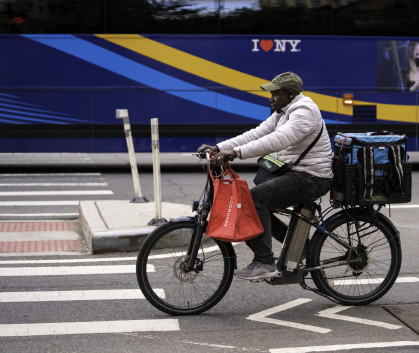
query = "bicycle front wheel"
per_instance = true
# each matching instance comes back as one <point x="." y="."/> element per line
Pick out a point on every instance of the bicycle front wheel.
<point x="362" y="277"/>
<point x="168" y="284"/>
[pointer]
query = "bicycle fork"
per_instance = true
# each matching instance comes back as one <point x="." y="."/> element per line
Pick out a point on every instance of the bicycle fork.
<point x="195" y="242"/>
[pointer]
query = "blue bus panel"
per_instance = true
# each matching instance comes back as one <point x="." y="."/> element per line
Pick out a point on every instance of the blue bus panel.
<point x="59" y="93"/>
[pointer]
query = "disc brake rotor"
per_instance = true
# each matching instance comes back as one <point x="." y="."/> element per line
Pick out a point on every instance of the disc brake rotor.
<point x="181" y="273"/>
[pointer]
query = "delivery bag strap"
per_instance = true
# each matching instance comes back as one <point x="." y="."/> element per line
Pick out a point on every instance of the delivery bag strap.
<point x="309" y="147"/>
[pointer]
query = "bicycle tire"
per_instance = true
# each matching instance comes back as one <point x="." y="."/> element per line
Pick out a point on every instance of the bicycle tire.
<point x="170" y="289"/>
<point x="362" y="279"/>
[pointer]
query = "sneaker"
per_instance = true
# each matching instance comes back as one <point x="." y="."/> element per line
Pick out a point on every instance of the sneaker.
<point x="257" y="270"/>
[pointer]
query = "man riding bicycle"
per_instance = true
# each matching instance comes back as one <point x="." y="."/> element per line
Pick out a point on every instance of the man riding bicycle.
<point x="294" y="124"/>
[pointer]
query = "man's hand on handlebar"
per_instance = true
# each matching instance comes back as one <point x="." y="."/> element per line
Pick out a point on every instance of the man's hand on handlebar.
<point x="224" y="156"/>
<point x="208" y="147"/>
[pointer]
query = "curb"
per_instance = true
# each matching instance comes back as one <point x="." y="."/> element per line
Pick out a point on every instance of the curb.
<point x="115" y="226"/>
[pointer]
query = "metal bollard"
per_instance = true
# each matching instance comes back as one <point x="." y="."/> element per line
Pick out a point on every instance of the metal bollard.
<point x="123" y="114"/>
<point x="155" y="146"/>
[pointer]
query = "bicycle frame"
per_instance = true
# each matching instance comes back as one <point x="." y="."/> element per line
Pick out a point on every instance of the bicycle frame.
<point x="204" y="209"/>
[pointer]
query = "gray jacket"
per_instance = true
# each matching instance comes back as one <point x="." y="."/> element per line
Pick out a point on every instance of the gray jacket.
<point x="287" y="135"/>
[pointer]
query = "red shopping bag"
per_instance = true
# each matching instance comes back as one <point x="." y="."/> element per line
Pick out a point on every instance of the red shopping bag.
<point x="233" y="215"/>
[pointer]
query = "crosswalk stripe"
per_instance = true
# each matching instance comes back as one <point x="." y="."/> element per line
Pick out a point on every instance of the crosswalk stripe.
<point x="69" y="270"/>
<point x="76" y="295"/>
<point x="77" y="328"/>
<point x="67" y="261"/>
<point x="349" y="282"/>
<point x="8" y="175"/>
<point x="104" y="259"/>
<point x="56" y="193"/>
<point x="346" y="347"/>
<point x="40" y="203"/>
<point x="53" y="184"/>
<point x="31" y="185"/>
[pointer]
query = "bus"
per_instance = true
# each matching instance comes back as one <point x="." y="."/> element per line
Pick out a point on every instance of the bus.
<point x="60" y="92"/>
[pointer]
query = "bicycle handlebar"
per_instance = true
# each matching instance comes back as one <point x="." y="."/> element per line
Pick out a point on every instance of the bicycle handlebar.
<point x="207" y="153"/>
<point x="203" y="155"/>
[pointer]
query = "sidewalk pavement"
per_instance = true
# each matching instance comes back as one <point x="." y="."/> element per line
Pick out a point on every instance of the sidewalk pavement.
<point x="121" y="225"/>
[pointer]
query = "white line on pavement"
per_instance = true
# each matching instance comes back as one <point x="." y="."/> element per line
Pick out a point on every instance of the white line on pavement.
<point x="40" y="203"/>
<point x="66" y="261"/>
<point x="49" y="296"/>
<point x="331" y="313"/>
<point x="341" y="347"/>
<point x="69" y="270"/>
<point x="58" y="192"/>
<point x="262" y="317"/>
<point x="48" y="174"/>
<point x="53" y="184"/>
<point x="104" y="259"/>
<point x="349" y="282"/>
<point x="77" y="328"/>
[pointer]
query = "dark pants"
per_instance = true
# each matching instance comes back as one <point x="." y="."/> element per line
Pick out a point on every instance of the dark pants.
<point x="287" y="190"/>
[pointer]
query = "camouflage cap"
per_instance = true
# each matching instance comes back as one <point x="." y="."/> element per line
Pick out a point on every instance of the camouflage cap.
<point x="287" y="80"/>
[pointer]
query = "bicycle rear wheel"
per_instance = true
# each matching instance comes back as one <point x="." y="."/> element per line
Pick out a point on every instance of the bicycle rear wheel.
<point x="359" y="279"/>
<point x="164" y="279"/>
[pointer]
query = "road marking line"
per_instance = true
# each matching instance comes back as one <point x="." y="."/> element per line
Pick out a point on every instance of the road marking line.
<point x="53" y="184"/>
<point x="69" y="270"/>
<point x="78" y="328"/>
<point x="50" y="296"/>
<point x="348" y="282"/>
<point x="331" y="313"/>
<point x="262" y="317"/>
<point x="48" y="174"/>
<point x="40" y="203"/>
<point x="58" y="192"/>
<point x="66" y="261"/>
<point x="104" y="259"/>
<point x="339" y="347"/>
<point x="404" y="206"/>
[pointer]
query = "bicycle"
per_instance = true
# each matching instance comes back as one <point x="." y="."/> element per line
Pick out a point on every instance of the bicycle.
<point x="353" y="257"/>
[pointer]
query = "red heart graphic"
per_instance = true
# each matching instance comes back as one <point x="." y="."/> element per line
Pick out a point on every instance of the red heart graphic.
<point x="266" y="45"/>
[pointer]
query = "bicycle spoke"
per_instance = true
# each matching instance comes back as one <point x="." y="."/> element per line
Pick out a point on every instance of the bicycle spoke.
<point x="368" y="271"/>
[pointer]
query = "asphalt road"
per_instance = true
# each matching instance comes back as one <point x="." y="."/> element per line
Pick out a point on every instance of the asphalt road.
<point x="92" y="303"/>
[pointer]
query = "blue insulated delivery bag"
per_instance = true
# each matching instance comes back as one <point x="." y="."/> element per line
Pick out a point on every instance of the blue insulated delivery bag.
<point x="371" y="168"/>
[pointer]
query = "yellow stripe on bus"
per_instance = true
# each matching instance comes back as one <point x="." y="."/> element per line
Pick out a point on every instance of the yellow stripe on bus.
<point x="244" y="82"/>
<point x="188" y="62"/>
